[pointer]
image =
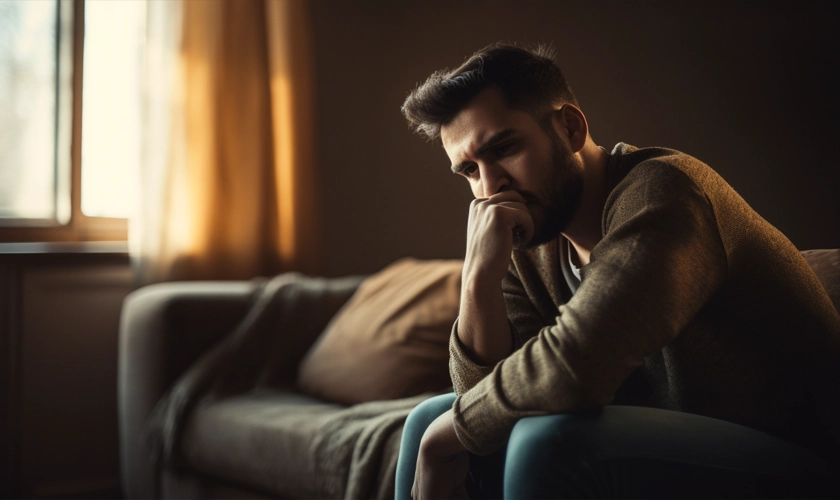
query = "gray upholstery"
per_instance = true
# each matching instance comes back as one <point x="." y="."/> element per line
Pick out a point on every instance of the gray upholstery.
<point x="163" y="329"/>
<point x="262" y="440"/>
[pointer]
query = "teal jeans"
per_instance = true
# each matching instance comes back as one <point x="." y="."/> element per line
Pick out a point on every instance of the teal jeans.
<point x="627" y="452"/>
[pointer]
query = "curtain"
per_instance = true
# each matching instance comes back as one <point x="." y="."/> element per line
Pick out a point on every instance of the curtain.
<point x="227" y="188"/>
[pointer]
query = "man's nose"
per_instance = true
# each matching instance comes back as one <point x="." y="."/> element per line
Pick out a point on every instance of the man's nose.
<point x="494" y="179"/>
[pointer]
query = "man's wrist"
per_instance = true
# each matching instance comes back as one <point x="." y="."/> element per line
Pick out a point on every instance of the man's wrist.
<point x="481" y="286"/>
<point x="480" y="279"/>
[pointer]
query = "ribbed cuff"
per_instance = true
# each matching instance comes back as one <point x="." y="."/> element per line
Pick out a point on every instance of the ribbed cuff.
<point x="465" y="372"/>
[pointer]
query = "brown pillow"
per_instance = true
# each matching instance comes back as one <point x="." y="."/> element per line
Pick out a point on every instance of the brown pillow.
<point x="391" y="339"/>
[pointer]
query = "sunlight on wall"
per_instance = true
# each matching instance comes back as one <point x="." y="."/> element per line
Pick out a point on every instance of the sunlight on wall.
<point x="284" y="169"/>
<point x="290" y="59"/>
<point x="111" y="115"/>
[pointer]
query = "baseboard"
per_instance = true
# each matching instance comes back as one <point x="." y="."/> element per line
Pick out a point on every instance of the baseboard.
<point x="97" y="488"/>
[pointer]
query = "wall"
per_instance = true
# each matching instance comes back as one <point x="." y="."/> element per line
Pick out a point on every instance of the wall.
<point x="746" y="87"/>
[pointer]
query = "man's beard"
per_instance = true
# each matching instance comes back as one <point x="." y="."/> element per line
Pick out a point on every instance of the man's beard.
<point x="561" y="195"/>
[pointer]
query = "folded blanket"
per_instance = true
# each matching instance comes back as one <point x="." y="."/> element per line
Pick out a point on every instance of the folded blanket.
<point x="356" y="450"/>
<point x="165" y="424"/>
<point x="287" y="313"/>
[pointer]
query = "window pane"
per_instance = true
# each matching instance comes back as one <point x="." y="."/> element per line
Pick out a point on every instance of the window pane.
<point x="111" y="115"/>
<point x="28" y="109"/>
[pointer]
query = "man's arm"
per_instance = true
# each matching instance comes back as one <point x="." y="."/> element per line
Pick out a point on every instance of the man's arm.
<point x="483" y="328"/>
<point x="495" y="224"/>
<point x="523" y="317"/>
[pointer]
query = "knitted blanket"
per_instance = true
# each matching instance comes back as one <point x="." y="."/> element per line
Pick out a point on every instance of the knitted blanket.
<point x="354" y="451"/>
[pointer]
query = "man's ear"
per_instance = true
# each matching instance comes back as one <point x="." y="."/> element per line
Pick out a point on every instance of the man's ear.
<point x="570" y="123"/>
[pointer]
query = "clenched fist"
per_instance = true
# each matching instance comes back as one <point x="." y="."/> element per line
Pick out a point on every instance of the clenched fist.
<point x="496" y="224"/>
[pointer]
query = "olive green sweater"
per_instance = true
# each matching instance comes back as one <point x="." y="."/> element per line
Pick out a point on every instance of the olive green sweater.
<point x="691" y="302"/>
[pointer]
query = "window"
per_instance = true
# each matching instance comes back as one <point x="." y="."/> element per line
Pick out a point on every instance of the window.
<point x="70" y="120"/>
<point x="34" y="113"/>
<point x="112" y="90"/>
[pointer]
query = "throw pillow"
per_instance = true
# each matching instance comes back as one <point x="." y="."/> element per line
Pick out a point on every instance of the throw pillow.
<point x="391" y="339"/>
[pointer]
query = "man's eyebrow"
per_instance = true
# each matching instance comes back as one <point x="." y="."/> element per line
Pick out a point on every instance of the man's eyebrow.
<point x="488" y="144"/>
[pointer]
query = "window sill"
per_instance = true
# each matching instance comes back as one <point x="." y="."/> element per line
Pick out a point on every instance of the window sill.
<point x="82" y="230"/>
<point x="65" y="248"/>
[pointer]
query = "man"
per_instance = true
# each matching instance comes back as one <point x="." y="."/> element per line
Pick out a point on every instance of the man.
<point x="592" y="278"/>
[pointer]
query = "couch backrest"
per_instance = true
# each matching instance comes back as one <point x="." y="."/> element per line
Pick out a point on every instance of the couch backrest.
<point x="826" y="265"/>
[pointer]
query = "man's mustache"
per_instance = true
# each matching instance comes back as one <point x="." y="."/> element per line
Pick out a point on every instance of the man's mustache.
<point x="528" y="195"/>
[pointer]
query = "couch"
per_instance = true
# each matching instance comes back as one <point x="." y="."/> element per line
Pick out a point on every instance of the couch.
<point x="166" y="328"/>
<point x="320" y="375"/>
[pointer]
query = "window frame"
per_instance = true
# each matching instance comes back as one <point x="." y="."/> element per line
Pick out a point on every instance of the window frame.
<point x="79" y="227"/>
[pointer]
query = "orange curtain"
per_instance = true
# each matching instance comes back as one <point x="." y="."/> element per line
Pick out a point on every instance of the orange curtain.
<point x="239" y="191"/>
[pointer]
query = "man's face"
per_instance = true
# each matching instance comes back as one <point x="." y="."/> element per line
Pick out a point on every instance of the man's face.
<point x="497" y="148"/>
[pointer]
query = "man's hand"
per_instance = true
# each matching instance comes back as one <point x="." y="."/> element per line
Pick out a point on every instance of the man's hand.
<point x="442" y="463"/>
<point x="495" y="225"/>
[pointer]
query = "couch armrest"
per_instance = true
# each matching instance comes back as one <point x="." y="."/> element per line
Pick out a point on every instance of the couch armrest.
<point x="163" y="329"/>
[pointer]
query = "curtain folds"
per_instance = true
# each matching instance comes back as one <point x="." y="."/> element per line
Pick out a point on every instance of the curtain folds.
<point x="228" y="190"/>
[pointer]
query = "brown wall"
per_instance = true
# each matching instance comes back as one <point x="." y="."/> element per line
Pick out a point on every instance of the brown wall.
<point x="746" y="88"/>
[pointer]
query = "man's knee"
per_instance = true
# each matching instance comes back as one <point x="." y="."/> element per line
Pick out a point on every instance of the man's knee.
<point x="426" y="412"/>
<point x="535" y="438"/>
<point x="545" y="457"/>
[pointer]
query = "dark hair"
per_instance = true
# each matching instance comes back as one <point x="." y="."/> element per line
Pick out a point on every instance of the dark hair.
<point x="529" y="79"/>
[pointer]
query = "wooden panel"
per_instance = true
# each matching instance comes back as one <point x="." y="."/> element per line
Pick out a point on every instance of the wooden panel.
<point x="68" y="373"/>
<point x="8" y="388"/>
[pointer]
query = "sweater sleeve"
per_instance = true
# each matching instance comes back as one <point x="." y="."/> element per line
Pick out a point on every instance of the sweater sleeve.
<point x="659" y="261"/>
<point x="463" y="370"/>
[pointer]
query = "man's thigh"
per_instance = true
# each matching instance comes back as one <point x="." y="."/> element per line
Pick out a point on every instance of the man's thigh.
<point x="630" y="452"/>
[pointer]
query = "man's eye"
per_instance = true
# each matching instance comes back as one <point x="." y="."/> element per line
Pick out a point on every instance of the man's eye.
<point x="503" y="149"/>
<point x="469" y="171"/>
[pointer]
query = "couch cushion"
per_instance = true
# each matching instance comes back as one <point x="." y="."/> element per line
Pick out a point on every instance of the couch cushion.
<point x="391" y="339"/>
<point x="261" y="440"/>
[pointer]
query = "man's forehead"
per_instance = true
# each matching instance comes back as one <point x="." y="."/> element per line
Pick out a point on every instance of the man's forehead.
<point x="483" y="116"/>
